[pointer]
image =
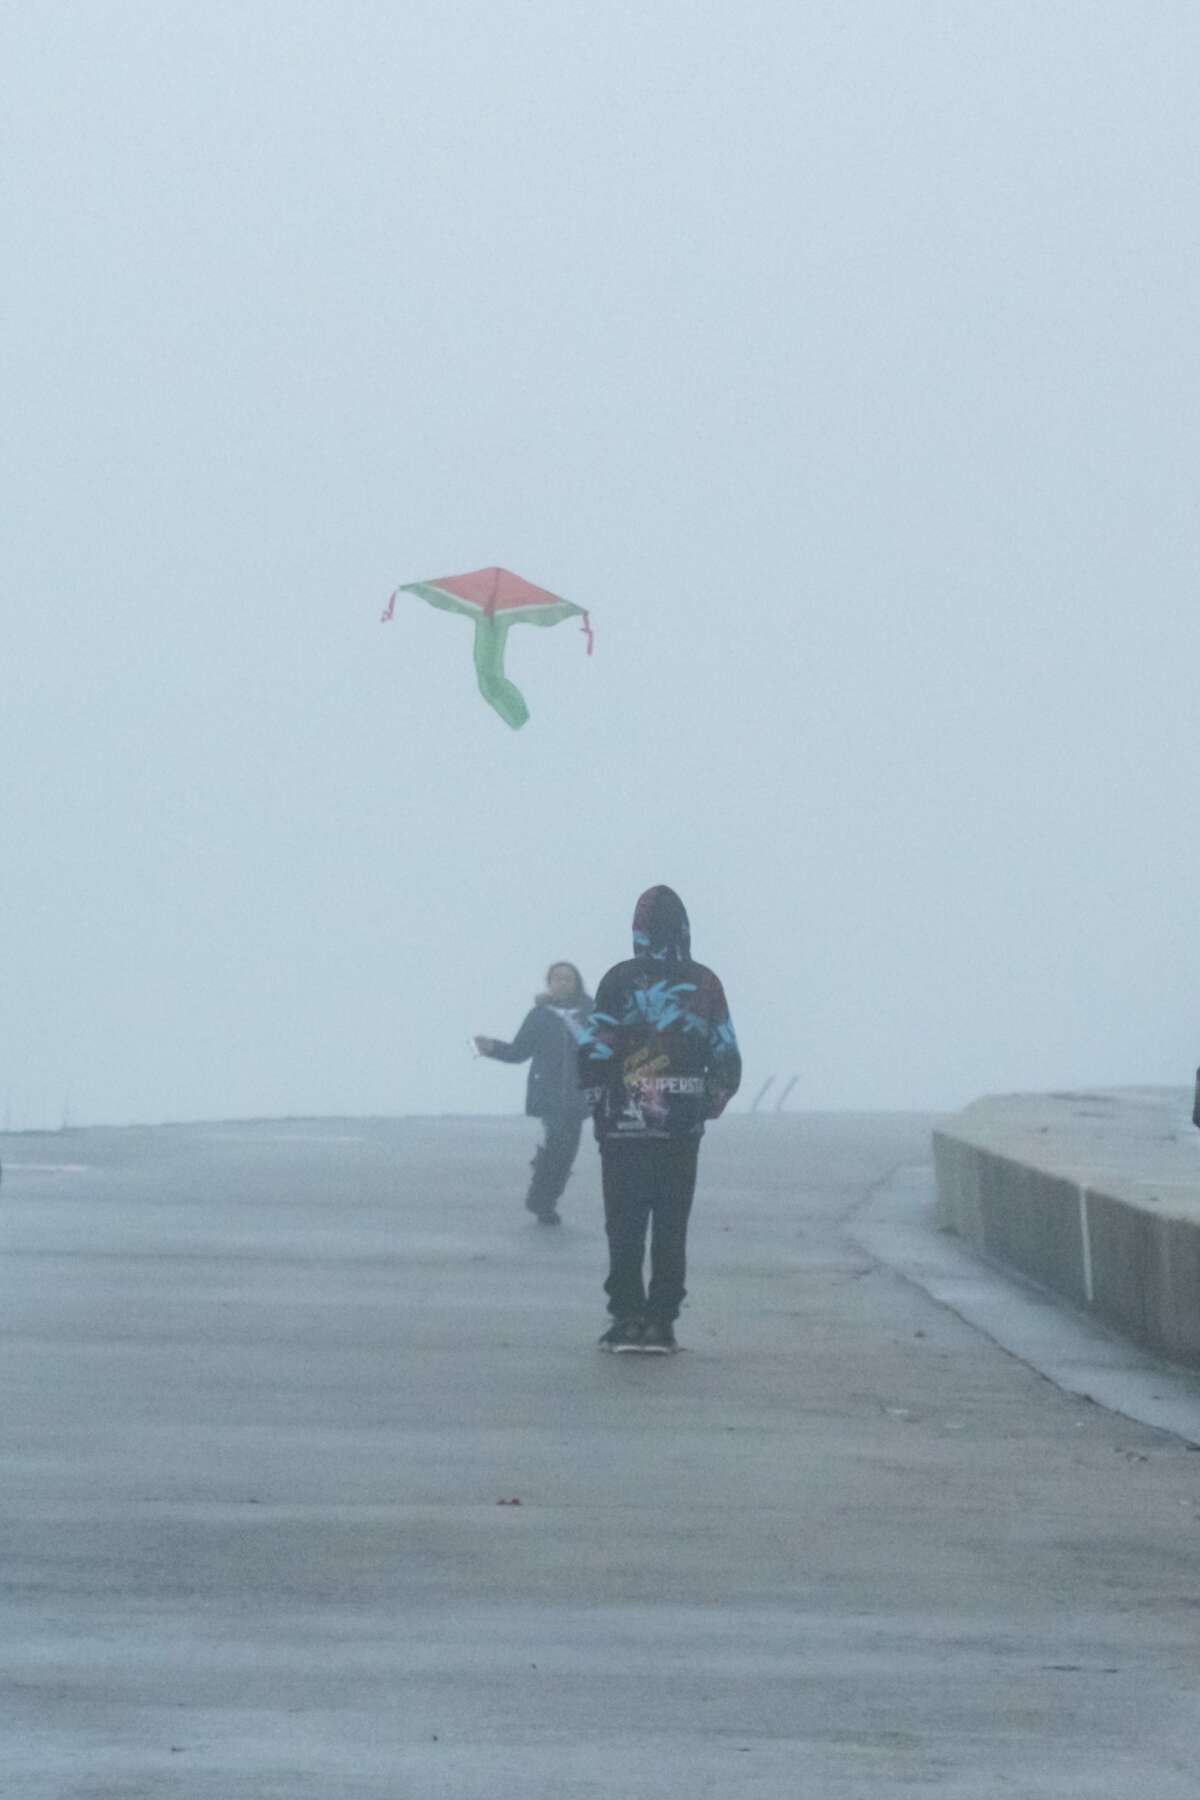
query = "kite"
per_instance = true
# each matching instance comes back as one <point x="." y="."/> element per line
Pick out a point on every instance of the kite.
<point x="495" y="599"/>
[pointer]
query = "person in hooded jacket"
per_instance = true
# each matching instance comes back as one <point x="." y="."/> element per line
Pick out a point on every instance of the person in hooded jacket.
<point x="548" y="1040"/>
<point x="658" y="1058"/>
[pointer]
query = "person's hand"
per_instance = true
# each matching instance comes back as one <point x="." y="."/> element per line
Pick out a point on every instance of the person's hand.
<point x="485" y="1046"/>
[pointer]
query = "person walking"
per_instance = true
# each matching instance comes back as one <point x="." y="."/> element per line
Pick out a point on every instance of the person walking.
<point x="657" y="1059"/>
<point x="548" y="1040"/>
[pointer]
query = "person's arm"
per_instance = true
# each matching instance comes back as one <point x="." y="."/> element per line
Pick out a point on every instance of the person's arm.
<point x="597" y="1036"/>
<point x="521" y="1048"/>
<point x="723" y="1075"/>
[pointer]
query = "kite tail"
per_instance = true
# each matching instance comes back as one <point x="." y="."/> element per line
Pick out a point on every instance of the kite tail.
<point x="497" y="690"/>
<point x="389" y="609"/>
<point x="587" y="627"/>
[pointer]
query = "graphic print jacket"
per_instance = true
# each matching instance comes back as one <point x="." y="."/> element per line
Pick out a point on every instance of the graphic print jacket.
<point x="658" y="1055"/>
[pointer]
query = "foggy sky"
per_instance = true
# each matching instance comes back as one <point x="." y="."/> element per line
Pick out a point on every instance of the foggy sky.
<point x="841" y="358"/>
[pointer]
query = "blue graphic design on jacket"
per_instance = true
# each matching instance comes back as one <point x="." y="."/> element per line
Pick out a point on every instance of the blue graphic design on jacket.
<point x="658" y="1055"/>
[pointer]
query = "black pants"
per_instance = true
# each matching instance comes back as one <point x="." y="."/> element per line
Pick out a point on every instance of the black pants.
<point x="552" y="1161"/>
<point x="650" y="1183"/>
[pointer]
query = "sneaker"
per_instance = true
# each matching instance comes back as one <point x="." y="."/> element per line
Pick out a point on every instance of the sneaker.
<point x="658" y="1338"/>
<point x="623" y="1334"/>
<point x="549" y="1218"/>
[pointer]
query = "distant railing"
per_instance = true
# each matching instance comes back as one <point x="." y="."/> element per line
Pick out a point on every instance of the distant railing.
<point x="765" y="1089"/>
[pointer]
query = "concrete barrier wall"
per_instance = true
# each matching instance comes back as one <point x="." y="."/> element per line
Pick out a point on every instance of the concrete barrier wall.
<point x="1096" y="1196"/>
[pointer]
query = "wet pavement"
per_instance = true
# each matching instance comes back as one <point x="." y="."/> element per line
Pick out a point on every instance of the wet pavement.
<point x="315" y="1485"/>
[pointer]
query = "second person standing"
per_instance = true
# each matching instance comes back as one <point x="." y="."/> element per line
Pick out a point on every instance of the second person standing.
<point x="548" y="1041"/>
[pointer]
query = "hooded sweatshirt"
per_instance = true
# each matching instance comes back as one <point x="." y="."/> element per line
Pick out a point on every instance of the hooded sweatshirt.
<point x="658" y="1056"/>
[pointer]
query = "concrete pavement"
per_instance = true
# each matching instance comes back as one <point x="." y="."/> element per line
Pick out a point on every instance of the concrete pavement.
<point x="269" y="1393"/>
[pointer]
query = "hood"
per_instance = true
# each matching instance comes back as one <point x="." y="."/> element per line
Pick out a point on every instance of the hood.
<point x="580" y="1002"/>
<point x="661" y="933"/>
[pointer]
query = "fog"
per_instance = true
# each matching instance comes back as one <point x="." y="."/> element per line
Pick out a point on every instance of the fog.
<point x="841" y="359"/>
